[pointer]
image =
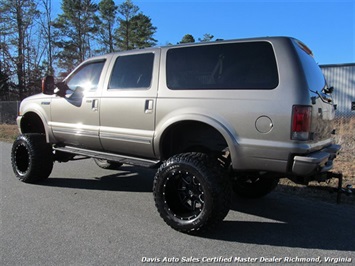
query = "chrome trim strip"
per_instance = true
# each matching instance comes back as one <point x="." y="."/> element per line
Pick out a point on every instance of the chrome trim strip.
<point x="127" y="138"/>
<point x="74" y="129"/>
<point x="127" y="135"/>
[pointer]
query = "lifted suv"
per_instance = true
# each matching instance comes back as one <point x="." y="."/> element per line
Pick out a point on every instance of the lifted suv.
<point x="212" y="117"/>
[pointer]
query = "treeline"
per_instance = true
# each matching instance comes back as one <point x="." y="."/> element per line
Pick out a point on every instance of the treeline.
<point x="33" y="43"/>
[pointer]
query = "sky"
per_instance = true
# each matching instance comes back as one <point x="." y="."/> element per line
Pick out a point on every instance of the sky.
<point x="326" y="26"/>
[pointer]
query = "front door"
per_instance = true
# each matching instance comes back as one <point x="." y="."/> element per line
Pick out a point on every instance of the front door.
<point x="75" y="117"/>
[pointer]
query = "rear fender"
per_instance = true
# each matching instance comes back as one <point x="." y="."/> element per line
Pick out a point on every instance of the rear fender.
<point x="221" y="126"/>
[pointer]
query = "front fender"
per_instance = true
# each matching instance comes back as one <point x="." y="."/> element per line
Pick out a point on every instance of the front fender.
<point x="40" y="106"/>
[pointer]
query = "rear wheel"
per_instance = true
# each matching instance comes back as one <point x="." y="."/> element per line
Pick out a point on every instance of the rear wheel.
<point x="31" y="158"/>
<point x="254" y="185"/>
<point x="191" y="192"/>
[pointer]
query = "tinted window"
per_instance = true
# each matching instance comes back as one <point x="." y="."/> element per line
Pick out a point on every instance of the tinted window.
<point x="132" y="71"/>
<point x="223" y="66"/>
<point x="314" y="75"/>
<point x="87" y="76"/>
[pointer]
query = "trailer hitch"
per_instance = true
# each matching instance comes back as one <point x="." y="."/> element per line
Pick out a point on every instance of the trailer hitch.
<point x="340" y="190"/>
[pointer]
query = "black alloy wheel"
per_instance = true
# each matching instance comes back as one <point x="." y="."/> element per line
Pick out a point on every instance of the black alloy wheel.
<point x="192" y="192"/>
<point x="31" y="158"/>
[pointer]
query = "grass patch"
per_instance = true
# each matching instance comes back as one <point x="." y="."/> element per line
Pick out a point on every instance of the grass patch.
<point x="8" y="133"/>
<point x="346" y="138"/>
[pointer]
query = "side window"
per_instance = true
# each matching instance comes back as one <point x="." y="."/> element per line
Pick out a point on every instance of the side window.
<point x="86" y="77"/>
<point x="132" y="72"/>
<point x="249" y="65"/>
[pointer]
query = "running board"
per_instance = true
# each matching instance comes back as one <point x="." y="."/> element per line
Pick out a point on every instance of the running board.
<point x="110" y="156"/>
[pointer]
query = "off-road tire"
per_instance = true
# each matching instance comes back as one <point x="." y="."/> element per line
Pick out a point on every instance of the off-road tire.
<point x="105" y="164"/>
<point x="254" y="185"/>
<point x="192" y="192"/>
<point x="31" y="158"/>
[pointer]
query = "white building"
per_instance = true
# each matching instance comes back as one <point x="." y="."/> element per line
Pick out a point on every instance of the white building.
<point x="342" y="78"/>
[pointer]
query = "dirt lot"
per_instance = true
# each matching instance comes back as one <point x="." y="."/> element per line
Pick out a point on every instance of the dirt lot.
<point x="344" y="163"/>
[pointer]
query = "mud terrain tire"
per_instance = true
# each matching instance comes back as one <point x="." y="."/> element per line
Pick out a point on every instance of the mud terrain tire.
<point x="31" y="158"/>
<point x="192" y="192"/>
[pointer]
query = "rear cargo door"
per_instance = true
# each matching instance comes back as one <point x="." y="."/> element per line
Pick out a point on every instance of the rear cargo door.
<point x="323" y="111"/>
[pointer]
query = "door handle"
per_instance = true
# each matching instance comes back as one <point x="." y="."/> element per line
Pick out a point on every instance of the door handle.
<point x="148" y="107"/>
<point x="94" y="105"/>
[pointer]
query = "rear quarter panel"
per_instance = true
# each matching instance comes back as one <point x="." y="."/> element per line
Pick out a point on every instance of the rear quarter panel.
<point x="237" y="113"/>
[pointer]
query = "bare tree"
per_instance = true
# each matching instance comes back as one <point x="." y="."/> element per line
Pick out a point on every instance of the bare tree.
<point x="19" y="16"/>
<point x="47" y="33"/>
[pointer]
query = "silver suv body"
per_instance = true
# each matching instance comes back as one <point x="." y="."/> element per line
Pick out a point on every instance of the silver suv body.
<point x="262" y="106"/>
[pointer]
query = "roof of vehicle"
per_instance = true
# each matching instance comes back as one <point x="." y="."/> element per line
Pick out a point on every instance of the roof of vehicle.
<point x="267" y="38"/>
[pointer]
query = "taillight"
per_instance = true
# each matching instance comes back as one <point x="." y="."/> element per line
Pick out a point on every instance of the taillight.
<point x="301" y="122"/>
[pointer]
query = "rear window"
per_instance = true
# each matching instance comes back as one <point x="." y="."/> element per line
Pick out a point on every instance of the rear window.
<point x="222" y="67"/>
<point x="313" y="73"/>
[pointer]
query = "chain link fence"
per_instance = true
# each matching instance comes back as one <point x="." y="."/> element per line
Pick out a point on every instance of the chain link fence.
<point x="8" y="112"/>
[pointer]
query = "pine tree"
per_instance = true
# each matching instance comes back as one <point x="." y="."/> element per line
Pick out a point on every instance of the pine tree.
<point x="75" y="29"/>
<point x="188" y="38"/>
<point x="143" y="31"/>
<point x="108" y="13"/>
<point x="206" y="38"/>
<point x="135" y="30"/>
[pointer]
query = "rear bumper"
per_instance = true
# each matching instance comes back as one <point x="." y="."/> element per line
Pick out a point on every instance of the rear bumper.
<point x="315" y="162"/>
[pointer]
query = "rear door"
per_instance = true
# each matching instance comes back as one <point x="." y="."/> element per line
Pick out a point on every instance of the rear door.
<point x="128" y="102"/>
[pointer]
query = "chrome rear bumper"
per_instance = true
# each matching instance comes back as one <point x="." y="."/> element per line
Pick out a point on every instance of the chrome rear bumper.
<point x="315" y="162"/>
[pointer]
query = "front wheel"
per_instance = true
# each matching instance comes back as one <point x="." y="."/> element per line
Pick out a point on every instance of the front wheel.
<point x="191" y="192"/>
<point x="31" y="158"/>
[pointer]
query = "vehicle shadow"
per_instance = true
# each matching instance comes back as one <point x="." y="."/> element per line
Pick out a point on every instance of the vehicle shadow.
<point x="128" y="178"/>
<point x="292" y="221"/>
<point x="279" y="219"/>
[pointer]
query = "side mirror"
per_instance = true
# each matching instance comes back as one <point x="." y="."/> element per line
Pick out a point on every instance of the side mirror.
<point x="48" y="85"/>
<point x="328" y="90"/>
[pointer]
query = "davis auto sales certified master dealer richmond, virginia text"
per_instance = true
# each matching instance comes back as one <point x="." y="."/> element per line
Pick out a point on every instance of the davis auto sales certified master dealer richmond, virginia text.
<point x="274" y="259"/>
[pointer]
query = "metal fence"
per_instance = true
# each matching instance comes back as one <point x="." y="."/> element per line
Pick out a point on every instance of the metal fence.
<point x="8" y="112"/>
<point x="342" y="78"/>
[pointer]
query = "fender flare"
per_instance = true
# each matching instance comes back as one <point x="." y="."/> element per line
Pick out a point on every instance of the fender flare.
<point x="35" y="108"/>
<point x="219" y="124"/>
